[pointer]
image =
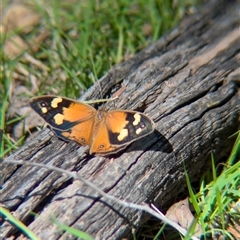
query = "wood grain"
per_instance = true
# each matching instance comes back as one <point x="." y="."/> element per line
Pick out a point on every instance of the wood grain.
<point x="188" y="83"/>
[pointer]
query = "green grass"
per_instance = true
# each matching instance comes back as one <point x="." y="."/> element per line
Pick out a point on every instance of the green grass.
<point x="216" y="206"/>
<point x="84" y="40"/>
<point x="31" y="235"/>
<point x="18" y="224"/>
<point x="217" y="203"/>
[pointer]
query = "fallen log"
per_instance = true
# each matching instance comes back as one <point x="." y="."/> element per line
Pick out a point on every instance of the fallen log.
<point x="188" y="83"/>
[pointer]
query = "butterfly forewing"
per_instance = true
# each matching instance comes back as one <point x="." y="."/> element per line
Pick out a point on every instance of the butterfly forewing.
<point x="126" y="126"/>
<point x="62" y="113"/>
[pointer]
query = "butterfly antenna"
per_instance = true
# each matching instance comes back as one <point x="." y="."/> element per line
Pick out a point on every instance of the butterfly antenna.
<point x="100" y="89"/>
<point x="119" y="92"/>
<point x="115" y="96"/>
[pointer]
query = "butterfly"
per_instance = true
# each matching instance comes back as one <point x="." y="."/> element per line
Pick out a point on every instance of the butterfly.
<point x="104" y="131"/>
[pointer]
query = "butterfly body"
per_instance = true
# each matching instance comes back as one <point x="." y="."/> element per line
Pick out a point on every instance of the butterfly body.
<point x="104" y="131"/>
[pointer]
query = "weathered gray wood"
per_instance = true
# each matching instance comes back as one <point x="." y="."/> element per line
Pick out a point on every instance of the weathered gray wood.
<point x="188" y="83"/>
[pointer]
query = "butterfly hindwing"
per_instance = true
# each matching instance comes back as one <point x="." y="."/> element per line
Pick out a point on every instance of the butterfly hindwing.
<point x="101" y="143"/>
<point x="80" y="133"/>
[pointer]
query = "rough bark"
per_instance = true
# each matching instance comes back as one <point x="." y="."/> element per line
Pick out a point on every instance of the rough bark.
<point x="188" y="83"/>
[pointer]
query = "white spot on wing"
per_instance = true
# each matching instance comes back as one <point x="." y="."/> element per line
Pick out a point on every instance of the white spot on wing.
<point x="138" y="131"/>
<point x="58" y="118"/>
<point x="123" y="133"/>
<point x="44" y="110"/>
<point x="55" y="102"/>
<point x="137" y="118"/>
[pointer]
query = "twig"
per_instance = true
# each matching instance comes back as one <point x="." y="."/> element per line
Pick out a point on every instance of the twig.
<point x="156" y="213"/>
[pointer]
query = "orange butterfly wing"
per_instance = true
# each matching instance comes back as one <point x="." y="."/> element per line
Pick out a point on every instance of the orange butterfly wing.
<point x="125" y="126"/>
<point x="100" y="140"/>
<point x="118" y="128"/>
<point x="69" y="119"/>
<point x="81" y="132"/>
